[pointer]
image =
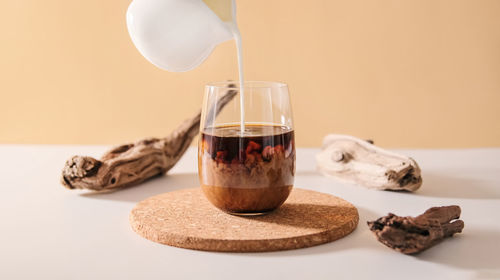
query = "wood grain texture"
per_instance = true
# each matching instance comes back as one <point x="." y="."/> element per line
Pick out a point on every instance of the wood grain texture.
<point x="186" y="219"/>
<point x="130" y="164"/>
<point x="410" y="235"/>
<point x="358" y="161"/>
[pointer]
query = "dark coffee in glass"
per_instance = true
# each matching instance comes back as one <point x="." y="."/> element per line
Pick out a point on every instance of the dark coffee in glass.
<point x="247" y="174"/>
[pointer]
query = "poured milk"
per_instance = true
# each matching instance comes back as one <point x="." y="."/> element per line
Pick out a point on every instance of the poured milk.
<point x="239" y="49"/>
<point x="178" y="35"/>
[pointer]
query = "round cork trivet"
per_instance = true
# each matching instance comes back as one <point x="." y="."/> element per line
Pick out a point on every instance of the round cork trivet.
<point x="186" y="219"/>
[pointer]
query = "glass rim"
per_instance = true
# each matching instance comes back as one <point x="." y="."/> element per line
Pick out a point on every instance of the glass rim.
<point x="246" y="84"/>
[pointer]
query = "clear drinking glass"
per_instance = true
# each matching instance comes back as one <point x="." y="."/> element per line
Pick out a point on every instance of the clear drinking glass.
<point x="249" y="171"/>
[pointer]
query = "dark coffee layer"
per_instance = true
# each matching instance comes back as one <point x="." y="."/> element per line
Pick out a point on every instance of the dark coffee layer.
<point x="226" y="142"/>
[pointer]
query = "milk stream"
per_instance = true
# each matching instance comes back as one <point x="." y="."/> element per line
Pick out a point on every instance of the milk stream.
<point x="226" y="11"/>
<point x="239" y="50"/>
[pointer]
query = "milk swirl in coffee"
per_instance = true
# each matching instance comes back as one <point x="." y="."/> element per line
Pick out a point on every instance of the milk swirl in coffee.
<point x="247" y="174"/>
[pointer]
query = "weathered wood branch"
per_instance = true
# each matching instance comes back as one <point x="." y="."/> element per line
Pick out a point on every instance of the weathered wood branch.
<point x="411" y="235"/>
<point x="357" y="161"/>
<point x="130" y="164"/>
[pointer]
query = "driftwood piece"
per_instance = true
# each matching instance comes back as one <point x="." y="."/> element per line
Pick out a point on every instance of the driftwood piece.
<point x="411" y="235"/>
<point x="358" y="161"/>
<point x="130" y="164"/>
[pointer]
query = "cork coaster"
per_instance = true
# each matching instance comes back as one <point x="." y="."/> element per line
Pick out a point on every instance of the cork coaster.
<point x="186" y="219"/>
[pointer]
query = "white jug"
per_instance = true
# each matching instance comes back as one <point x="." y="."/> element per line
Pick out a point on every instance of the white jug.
<point x="178" y="35"/>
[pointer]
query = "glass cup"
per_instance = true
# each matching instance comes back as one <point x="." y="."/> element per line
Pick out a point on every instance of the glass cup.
<point x="247" y="168"/>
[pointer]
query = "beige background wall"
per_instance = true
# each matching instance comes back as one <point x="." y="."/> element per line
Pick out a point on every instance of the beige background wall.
<point x="404" y="73"/>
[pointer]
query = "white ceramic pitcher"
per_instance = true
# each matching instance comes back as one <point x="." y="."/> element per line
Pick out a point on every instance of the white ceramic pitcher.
<point x="178" y="35"/>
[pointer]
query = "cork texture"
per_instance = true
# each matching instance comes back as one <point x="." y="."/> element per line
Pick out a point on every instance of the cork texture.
<point x="186" y="219"/>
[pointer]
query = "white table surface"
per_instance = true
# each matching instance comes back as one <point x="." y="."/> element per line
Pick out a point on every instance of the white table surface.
<point x="49" y="232"/>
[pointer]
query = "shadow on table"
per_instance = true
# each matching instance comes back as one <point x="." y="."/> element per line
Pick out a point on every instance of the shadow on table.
<point x="474" y="249"/>
<point x="441" y="185"/>
<point x="150" y="188"/>
<point x="304" y="215"/>
<point x="361" y="237"/>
